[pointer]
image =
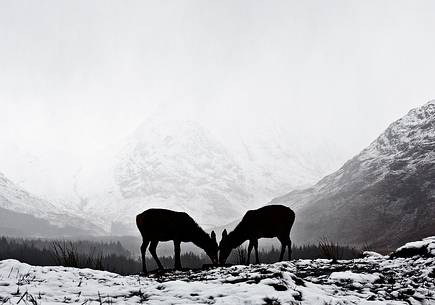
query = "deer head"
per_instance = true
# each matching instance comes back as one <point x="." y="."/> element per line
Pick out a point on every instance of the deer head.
<point x="212" y="248"/>
<point x="224" y="248"/>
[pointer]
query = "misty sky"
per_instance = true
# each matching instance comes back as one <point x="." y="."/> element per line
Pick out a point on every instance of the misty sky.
<point x="76" y="76"/>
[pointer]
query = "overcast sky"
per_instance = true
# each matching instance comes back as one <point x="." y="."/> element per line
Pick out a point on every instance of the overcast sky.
<point x="75" y="75"/>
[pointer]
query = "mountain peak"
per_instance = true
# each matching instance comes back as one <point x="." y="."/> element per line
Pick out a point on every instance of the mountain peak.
<point x="416" y="128"/>
<point x="423" y="112"/>
<point x="431" y="102"/>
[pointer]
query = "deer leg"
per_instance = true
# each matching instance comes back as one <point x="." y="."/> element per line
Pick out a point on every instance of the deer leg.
<point x="289" y="245"/>
<point x="257" y="261"/>
<point x="251" y="244"/>
<point x="143" y="249"/>
<point x="177" y="250"/>
<point x="283" y="245"/>
<point x="153" y="247"/>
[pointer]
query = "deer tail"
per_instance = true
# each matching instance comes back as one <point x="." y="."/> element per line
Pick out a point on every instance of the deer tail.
<point x="139" y="222"/>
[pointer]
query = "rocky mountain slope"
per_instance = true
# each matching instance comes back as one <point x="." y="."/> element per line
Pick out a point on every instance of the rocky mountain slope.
<point x="22" y="214"/>
<point x="383" y="196"/>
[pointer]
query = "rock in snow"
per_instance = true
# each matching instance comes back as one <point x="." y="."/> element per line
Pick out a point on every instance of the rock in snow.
<point x="371" y="280"/>
<point x="354" y="277"/>
<point x="425" y="247"/>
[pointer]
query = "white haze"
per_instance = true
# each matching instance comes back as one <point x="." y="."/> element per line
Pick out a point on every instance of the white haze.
<point x="76" y="76"/>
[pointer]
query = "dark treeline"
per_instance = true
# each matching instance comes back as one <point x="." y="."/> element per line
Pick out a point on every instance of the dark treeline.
<point x="82" y="246"/>
<point x="108" y="256"/>
<point x="112" y="256"/>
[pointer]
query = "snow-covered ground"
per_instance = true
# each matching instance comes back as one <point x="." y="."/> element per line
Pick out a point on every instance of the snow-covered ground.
<point x="374" y="279"/>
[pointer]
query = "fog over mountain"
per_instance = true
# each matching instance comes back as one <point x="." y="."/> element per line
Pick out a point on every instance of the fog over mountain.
<point x="107" y="108"/>
<point x="23" y="214"/>
<point x="75" y="82"/>
<point x="180" y="165"/>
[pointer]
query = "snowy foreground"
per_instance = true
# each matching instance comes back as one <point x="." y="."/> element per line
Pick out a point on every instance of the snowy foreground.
<point x="374" y="279"/>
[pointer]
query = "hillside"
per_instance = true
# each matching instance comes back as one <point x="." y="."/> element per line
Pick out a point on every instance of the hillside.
<point x="383" y="196"/>
<point x="22" y="214"/>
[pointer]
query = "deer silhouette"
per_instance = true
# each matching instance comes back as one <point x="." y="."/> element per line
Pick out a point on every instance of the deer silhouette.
<point x="163" y="225"/>
<point x="269" y="221"/>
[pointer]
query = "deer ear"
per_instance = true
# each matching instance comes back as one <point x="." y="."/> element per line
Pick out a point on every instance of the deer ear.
<point x="213" y="235"/>
<point x="224" y="234"/>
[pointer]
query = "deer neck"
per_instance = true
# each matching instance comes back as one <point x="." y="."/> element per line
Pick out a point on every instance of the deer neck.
<point x="237" y="237"/>
<point x="201" y="239"/>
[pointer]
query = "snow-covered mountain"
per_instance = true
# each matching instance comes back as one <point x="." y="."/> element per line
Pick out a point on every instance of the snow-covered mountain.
<point x="26" y="215"/>
<point x="177" y="166"/>
<point x="385" y="195"/>
<point x="181" y="165"/>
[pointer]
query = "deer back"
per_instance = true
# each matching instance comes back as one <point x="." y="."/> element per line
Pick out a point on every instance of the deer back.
<point x="164" y="225"/>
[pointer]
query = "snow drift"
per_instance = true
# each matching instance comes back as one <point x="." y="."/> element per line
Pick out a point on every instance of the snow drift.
<point x="374" y="279"/>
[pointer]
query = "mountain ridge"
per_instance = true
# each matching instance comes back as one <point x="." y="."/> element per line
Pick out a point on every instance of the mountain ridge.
<point x="390" y="184"/>
<point x="24" y="214"/>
